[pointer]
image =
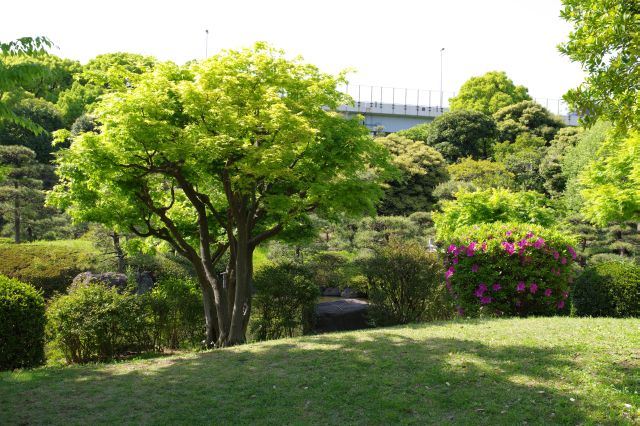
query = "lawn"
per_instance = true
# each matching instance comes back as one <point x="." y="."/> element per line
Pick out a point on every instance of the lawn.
<point x="505" y="371"/>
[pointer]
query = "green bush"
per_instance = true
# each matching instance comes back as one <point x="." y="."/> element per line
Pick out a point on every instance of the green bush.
<point x="327" y="269"/>
<point x="48" y="266"/>
<point x="509" y="269"/>
<point x="22" y="322"/>
<point x="94" y="322"/>
<point x="490" y="206"/>
<point x="178" y="316"/>
<point x="610" y="289"/>
<point x="284" y="302"/>
<point x="405" y="284"/>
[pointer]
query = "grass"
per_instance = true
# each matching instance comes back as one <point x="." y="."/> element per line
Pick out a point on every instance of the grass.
<point x="495" y="372"/>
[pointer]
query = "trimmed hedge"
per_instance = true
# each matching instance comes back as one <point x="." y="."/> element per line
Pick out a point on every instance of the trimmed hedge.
<point x="49" y="267"/>
<point x="610" y="289"/>
<point x="509" y="269"/>
<point x="22" y="322"/>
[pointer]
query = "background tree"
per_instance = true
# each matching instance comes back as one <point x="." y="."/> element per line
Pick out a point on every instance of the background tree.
<point x="526" y="117"/>
<point x="419" y="132"/>
<point x="523" y="158"/>
<point x="221" y="155"/>
<point x="20" y="190"/>
<point x="461" y="134"/>
<point x="612" y="182"/>
<point x="606" y="42"/>
<point x="488" y="93"/>
<point x="57" y="74"/>
<point x="422" y="168"/>
<point x="551" y="165"/>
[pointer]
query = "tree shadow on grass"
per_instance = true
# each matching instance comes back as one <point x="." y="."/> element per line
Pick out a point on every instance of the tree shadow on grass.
<point x="383" y="377"/>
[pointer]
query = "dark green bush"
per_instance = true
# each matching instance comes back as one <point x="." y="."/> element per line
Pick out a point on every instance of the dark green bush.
<point x="609" y="289"/>
<point x="405" y="283"/>
<point x="48" y="266"/>
<point x="178" y="316"/>
<point x="284" y="302"/>
<point x="327" y="269"/>
<point x="94" y="322"/>
<point x="22" y="321"/>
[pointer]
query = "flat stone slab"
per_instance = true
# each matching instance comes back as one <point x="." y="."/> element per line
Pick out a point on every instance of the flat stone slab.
<point x="342" y="315"/>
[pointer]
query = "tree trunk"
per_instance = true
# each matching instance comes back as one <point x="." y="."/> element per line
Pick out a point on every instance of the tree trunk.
<point x="243" y="282"/>
<point x="122" y="264"/>
<point x="210" y="312"/>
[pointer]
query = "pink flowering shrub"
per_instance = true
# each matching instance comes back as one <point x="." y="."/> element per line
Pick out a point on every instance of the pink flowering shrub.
<point x="509" y="269"/>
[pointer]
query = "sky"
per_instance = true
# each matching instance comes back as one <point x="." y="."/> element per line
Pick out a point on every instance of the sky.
<point x="388" y="43"/>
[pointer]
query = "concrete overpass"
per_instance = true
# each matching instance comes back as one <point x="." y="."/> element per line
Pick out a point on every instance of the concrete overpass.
<point x="396" y="109"/>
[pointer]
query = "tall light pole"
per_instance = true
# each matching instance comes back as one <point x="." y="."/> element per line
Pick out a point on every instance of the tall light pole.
<point x="441" y="50"/>
<point x="206" y="44"/>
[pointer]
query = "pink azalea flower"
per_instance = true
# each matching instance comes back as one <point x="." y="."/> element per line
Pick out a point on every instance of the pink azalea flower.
<point x="485" y="300"/>
<point x="521" y="286"/>
<point x="548" y="292"/>
<point x="533" y="288"/>
<point x="474" y="268"/>
<point x="572" y="252"/>
<point x="556" y="255"/>
<point x="563" y="260"/>
<point x="523" y="243"/>
<point x="455" y="260"/>
<point x="539" y="243"/>
<point x="508" y="233"/>
<point x="561" y="304"/>
<point x="508" y="247"/>
<point x="496" y="286"/>
<point x="529" y="234"/>
<point x="451" y="249"/>
<point x="449" y="272"/>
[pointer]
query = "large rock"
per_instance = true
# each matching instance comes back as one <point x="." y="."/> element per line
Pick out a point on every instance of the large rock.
<point x="111" y="279"/>
<point x="331" y="292"/>
<point x="349" y="293"/>
<point x="341" y="315"/>
<point x="145" y="281"/>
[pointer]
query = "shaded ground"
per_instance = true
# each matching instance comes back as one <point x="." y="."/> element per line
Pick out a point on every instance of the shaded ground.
<point x="534" y="371"/>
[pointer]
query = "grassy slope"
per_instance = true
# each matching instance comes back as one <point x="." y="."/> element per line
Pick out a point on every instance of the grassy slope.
<point x="538" y="371"/>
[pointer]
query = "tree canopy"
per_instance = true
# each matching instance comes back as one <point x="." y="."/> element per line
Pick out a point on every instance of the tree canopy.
<point x="606" y="42"/>
<point x="526" y="117"/>
<point x="221" y="155"/>
<point x="462" y="133"/>
<point x="488" y="93"/>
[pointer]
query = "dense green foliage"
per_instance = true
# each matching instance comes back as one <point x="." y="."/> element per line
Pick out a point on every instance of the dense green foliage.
<point x="462" y="133"/>
<point x="492" y="205"/>
<point x="526" y="117"/>
<point x="488" y="93"/>
<point x="405" y="284"/>
<point x="422" y="169"/>
<point x="419" y="132"/>
<point x="612" y="183"/>
<point x="509" y="269"/>
<point x="523" y="158"/>
<point x="606" y="42"/>
<point x="93" y="322"/>
<point x="177" y="315"/>
<point x="609" y="289"/>
<point x="284" y="302"/>
<point x="22" y="322"/>
<point x="49" y="267"/>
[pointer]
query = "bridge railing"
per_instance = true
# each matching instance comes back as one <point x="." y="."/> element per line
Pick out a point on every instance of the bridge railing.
<point x="413" y="100"/>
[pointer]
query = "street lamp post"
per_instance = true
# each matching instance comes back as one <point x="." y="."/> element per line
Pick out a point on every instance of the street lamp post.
<point x="206" y="44"/>
<point x="441" y="95"/>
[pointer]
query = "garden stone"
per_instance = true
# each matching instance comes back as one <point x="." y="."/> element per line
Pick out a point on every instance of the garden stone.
<point x="145" y="281"/>
<point x="349" y="293"/>
<point x="331" y="292"/>
<point x="340" y="315"/>
<point x="111" y="279"/>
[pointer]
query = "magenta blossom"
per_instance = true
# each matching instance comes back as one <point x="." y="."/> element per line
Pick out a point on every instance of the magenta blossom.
<point x="548" y="292"/>
<point x="572" y="252"/>
<point x="508" y="247"/>
<point x="485" y="300"/>
<point x="480" y="290"/>
<point x="474" y="267"/>
<point x="563" y="260"/>
<point x="561" y="304"/>
<point x="539" y="243"/>
<point x="521" y="286"/>
<point x="529" y="234"/>
<point x="556" y="255"/>
<point x="452" y="249"/>
<point x="533" y="288"/>
<point x="523" y="243"/>
<point x="496" y="286"/>
<point x="455" y="260"/>
<point x="508" y="233"/>
<point x="471" y="249"/>
<point x="449" y="272"/>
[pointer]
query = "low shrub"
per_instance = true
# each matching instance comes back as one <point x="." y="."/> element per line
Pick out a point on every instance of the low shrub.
<point x="48" y="266"/>
<point x="178" y="316"/>
<point x="22" y="323"/>
<point x="509" y="269"/>
<point x="94" y="322"/>
<point x="405" y="284"/>
<point x="284" y="302"/>
<point x="608" y="289"/>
